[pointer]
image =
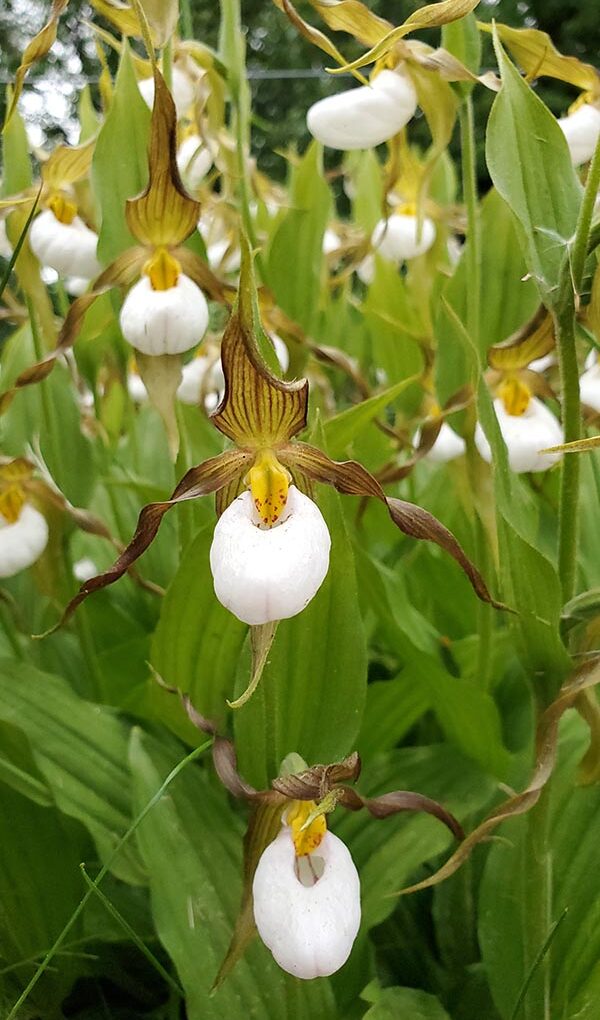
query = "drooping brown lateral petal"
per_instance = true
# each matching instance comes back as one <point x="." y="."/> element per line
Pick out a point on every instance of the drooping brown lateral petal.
<point x="400" y="800"/>
<point x="532" y="340"/>
<point x="318" y="780"/>
<point x="198" y="481"/>
<point x="164" y="214"/>
<point x="353" y="479"/>
<point x="35" y="50"/>
<point x="123" y="271"/>
<point x="258" y="409"/>
<point x="546" y="754"/>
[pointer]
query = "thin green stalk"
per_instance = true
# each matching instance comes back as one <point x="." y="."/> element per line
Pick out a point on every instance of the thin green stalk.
<point x="50" y="422"/>
<point x="102" y="874"/>
<point x="537" y="909"/>
<point x="186" y="23"/>
<point x="470" y="198"/>
<point x="473" y="256"/>
<point x="233" y="54"/>
<point x="536" y="963"/>
<point x="182" y="464"/>
<point x="167" y="64"/>
<point x="133" y="935"/>
<point x="565" y="326"/>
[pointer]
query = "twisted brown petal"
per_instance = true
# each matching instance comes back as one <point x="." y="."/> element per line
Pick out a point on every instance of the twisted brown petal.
<point x="353" y="479"/>
<point x="122" y="272"/>
<point x="546" y="754"/>
<point x="400" y="800"/>
<point x="258" y="409"/>
<point x="199" y="481"/>
<point x="35" y="50"/>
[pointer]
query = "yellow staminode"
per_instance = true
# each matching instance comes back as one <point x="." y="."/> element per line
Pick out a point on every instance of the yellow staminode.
<point x="162" y="269"/>
<point x="12" y="495"/>
<point x="515" y="395"/>
<point x="406" y="209"/>
<point x="305" y="839"/>
<point x="269" y="482"/>
<point x="64" y="210"/>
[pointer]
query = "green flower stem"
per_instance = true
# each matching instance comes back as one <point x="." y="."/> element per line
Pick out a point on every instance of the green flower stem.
<point x="186" y="23"/>
<point x="9" y="628"/>
<point x="565" y="326"/>
<point x="473" y="256"/>
<point x="233" y="54"/>
<point x="102" y="874"/>
<point x="537" y="908"/>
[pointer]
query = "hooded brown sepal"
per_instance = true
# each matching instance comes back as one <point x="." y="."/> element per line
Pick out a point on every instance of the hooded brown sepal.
<point x="198" y="481"/>
<point x="164" y="214"/>
<point x="258" y="410"/>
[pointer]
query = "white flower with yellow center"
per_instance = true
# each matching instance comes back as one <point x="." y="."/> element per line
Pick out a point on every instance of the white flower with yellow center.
<point x="270" y="551"/>
<point x="527" y="427"/>
<point x="306" y="894"/>
<point x="362" y="117"/>
<point x="399" y="238"/>
<point x="182" y="90"/>
<point x="582" y="130"/>
<point x="164" y="312"/>
<point x="60" y="239"/>
<point x="23" y="533"/>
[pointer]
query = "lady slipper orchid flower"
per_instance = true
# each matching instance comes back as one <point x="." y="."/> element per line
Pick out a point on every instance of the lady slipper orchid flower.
<point x="164" y="312"/>
<point x="528" y="427"/>
<point x="300" y="880"/>
<point x="275" y="527"/>
<point x="362" y="117"/>
<point x="306" y="894"/>
<point x="400" y="237"/>
<point x="581" y="128"/>
<point x="59" y="238"/>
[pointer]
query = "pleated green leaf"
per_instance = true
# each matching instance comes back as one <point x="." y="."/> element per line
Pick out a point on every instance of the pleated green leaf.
<point x="81" y="751"/>
<point x="530" y="165"/>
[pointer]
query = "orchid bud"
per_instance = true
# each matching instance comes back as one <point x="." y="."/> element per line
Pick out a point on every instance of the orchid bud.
<point x="589" y="382"/>
<point x="164" y="312"/>
<point x="448" y="445"/>
<point x="582" y="130"/>
<point x="76" y="285"/>
<point x="525" y="436"/>
<point x="23" y="538"/>
<point x="84" y="568"/>
<point x="268" y="566"/>
<point x="398" y="238"/>
<point x="362" y="117"/>
<point x="182" y="90"/>
<point x="194" y="161"/>
<point x="64" y="243"/>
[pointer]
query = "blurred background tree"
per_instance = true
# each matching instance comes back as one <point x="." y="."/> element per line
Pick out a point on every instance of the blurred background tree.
<point x="286" y="72"/>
